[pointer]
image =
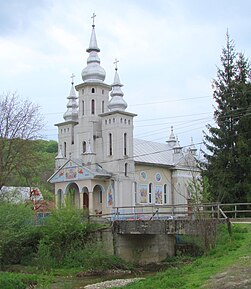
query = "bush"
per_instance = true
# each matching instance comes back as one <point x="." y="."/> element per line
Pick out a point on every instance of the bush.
<point x="19" y="237"/>
<point x="66" y="230"/>
<point x="17" y="281"/>
<point x="92" y="256"/>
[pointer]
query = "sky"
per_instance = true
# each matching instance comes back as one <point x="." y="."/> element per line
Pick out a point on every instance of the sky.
<point x="168" y="54"/>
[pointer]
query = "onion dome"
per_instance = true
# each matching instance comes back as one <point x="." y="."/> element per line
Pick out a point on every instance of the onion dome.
<point x="172" y="140"/>
<point x="117" y="102"/>
<point x="72" y="105"/>
<point x="93" y="72"/>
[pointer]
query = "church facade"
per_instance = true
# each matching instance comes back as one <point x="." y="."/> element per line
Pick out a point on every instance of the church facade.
<point x="99" y="162"/>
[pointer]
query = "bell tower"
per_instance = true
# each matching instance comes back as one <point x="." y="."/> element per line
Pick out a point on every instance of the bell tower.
<point x="93" y="99"/>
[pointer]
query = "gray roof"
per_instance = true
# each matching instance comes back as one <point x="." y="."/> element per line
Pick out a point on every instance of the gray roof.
<point x="153" y="152"/>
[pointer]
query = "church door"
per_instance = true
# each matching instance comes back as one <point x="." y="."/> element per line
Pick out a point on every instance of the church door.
<point x="85" y="201"/>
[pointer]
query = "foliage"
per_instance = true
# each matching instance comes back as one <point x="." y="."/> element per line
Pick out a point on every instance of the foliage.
<point x="228" y="167"/>
<point x="18" y="238"/>
<point x="22" y="281"/>
<point x="43" y="156"/>
<point x="65" y="231"/>
<point x="92" y="256"/>
<point x="193" y="275"/>
<point x="20" y="122"/>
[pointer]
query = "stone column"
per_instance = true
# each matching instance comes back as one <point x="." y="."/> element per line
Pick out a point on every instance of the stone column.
<point x="91" y="205"/>
<point x="81" y="200"/>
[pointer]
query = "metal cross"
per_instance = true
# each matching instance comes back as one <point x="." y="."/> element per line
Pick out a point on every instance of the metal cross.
<point x="72" y="78"/>
<point x="93" y="16"/>
<point x="116" y="63"/>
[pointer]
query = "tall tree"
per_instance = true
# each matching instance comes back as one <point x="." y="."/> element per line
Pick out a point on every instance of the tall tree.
<point x="20" y="122"/>
<point x="228" y="143"/>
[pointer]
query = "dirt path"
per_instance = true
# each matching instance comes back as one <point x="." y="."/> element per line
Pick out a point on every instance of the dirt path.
<point x="235" y="277"/>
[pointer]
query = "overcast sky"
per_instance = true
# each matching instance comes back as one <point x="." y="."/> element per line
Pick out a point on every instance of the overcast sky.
<point x="167" y="50"/>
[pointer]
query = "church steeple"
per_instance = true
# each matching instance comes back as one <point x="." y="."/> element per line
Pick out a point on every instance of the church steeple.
<point x="172" y="140"/>
<point x="117" y="102"/>
<point x="93" y="72"/>
<point x="72" y="105"/>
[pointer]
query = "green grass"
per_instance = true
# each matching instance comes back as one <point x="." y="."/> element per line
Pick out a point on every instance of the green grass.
<point x="22" y="281"/>
<point x="227" y="252"/>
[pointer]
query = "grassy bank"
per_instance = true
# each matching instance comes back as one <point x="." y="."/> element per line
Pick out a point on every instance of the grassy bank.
<point x="227" y="252"/>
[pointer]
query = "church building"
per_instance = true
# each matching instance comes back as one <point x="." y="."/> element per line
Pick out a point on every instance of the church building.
<point x="100" y="164"/>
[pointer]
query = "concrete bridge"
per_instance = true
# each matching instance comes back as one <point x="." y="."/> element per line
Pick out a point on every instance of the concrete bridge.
<point x="151" y="241"/>
<point x="147" y="234"/>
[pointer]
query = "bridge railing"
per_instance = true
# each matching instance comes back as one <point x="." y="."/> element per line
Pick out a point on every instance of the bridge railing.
<point x="180" y="211"/>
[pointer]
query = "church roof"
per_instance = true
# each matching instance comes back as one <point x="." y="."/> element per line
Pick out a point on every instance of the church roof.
<point x="152" y="153"/>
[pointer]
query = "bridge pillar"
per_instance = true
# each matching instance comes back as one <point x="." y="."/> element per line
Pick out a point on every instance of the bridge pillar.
<point x="144" y="248"/>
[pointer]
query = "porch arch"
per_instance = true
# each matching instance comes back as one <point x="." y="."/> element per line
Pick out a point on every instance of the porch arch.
<point x="72" y="194"/>
<point x="85" y="193"/>
<point x="60" y="198"/>
<point x="98" y="198"/>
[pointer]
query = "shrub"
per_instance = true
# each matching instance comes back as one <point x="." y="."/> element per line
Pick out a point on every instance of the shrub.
<point x="19" y="237"/>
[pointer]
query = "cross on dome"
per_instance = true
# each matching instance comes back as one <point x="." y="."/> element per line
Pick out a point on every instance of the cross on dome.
<point x="72" y="78"/>
<point x="116" y="63"/>
<point x="93" y="19"/>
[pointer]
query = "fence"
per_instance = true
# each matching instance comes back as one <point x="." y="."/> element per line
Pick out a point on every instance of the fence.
<point x="179" y="211"/>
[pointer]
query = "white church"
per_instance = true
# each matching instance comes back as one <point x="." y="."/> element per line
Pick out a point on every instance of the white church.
<point x="101" y="164"/>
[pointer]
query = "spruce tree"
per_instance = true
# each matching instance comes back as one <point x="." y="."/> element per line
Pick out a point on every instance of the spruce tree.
<point x="228" y="142"/>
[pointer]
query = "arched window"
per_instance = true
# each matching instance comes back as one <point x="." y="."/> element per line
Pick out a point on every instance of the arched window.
<point x="165" y="194"/>
<point x="93" y="90"/>
<point x="93" y="106"/>
<point x="150" y="191"/>
<point x="103" y="106"/>
<point x="84" y="146"/>
<point x="65" y="149"/>
<point x="125" y="144"/>
<point x="83" y="107"/>
<point x="110" y="144"/>
<point x="126" y="169"/>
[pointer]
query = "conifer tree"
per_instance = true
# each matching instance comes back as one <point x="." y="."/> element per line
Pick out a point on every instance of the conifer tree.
<point x="228" y="143"/>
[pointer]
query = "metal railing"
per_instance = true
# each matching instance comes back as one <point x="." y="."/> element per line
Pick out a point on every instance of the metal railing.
<point x="179" y="211"/>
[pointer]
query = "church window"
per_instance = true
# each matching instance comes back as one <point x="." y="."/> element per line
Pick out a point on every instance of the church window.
<point x="84" y="146"/>
<point x="125" y="120"/>
<point x="150" y="189"/>
<point x="93" y="90"/>
<point x="83" y="107"/>
<point x="129" y="122"/>
<point x="121" y="120"/>
<point x="93" y="106"/>
<point x="110" y="121"/>
<point x="106" y="121"/>
<point x="103" y="91"/>
<point x="65" y="149"/>
<point x="165" y="194"/>
<point x="110" y="144"/>
<point x="103" y="106"/>
<point x="125" y="144"/>
<point x="64" y="129"/>
<point x="113" y="120"/>
<point x="83" y="91"/>
<point x="68" y="129"/>
<point x="61" y="130"/>
<point x="126" y="169"/>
